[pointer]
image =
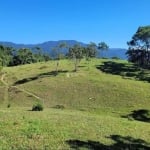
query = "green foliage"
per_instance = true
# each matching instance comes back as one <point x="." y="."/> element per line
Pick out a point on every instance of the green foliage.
<point x="139" y="47"/>
<point x="9" y="105"/>
<point x="117" y="58"/>
<point x="37" y="107"/>
<point x="13" y="57"/>
<point x="1" y="67"/>
<point x="39" y="56"/>
<point x="102" y="46"/>
<point x="90" y="51"/>
<point x="5" y="55"/>
<point x="58" y="50"/>
<point x="58" y="53"/>
<point x="25" y="56"/>
<point x="59" y="106"/>
<point x="76" y="53"/>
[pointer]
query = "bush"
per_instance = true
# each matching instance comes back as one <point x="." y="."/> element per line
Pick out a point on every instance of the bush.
<point x="37" y="107"/>
<point x="8" y="106"/>
<point x="115" y="57"/>
<point x="59" y="106"/>
<point x="43" y="67"/>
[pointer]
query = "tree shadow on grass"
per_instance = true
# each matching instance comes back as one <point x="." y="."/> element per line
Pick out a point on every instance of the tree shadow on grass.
<point x="121" y="143"/>
<point x="81" y="66"/>
<point x="125" y="70"/>
<point x="140" y="115"/>
<point x="42" y="75"/>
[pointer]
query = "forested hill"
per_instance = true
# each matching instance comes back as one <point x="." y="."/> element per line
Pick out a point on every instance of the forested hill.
<point x="49" y="45"/>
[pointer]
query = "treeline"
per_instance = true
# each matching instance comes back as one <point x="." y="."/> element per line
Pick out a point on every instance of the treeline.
<point x="12" y="57"/>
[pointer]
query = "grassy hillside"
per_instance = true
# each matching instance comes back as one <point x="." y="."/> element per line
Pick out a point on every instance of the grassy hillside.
<point x="90" y="87"/>
<point x="106" y="105"/>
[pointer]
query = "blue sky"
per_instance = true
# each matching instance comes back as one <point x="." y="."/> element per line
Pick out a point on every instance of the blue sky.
<point x="37" y="21"/>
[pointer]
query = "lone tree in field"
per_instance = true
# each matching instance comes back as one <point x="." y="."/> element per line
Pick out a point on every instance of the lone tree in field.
<point x="139" y="47"/>
<point x="76" y="53"/>
<point x="102" y="46"/>
<point x="57" y="50"/>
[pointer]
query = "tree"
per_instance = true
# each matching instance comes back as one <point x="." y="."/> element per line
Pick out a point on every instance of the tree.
<point x="76" y="53"/>
<point x="90" y="51"/>
<point x="1" y="67"/>
<point x="24" y="56"/>
<point x="5" y="55"/>
<point x="58" y="49"/>
<point x="10" y="56"/>
<point x="39" y="55"/>
<point x="139" y="47"/>
<point x="37" y="52"/>
<point x="102" y="46"/>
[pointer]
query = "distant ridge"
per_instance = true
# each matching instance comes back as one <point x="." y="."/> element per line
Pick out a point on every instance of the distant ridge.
<point x="45" y="45"/>
<point x="47" y="48"/>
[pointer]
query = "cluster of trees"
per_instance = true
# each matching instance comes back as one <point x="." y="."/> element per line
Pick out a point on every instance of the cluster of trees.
<point x="139" y="47"/>
<point x="77" y="52"/>
<point x="12" y="57"/>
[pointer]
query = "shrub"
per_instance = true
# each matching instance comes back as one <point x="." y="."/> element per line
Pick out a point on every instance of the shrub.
<point x="115" y="57"/>
<point x="37" y="107"/>
<point x="43" y="67"/>
<point x="8" y="106"/>
<point x="59" y="106"/>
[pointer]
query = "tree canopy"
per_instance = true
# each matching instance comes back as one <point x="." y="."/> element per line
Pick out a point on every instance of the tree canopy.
<point x="76" y="53"/>
<point x="141" y="39"/>
<point x="5" y="55"/>
<point x="102" y="46"/>
<point x="139" y="46"/>
<point x="90" y="51"/>
<point x="12" y="57"/>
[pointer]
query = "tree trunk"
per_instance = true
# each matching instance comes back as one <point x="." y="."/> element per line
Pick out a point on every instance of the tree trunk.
<point x="57" y="64"/>
<point x="76" y="65"/>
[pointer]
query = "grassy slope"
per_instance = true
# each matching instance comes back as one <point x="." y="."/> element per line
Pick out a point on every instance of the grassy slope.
<point x="94" y="103"/>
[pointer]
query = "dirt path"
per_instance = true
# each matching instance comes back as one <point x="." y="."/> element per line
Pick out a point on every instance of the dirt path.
<point x="6" y="96"/>
<point x="2" y="79"/>
<point x="18" y="88"/>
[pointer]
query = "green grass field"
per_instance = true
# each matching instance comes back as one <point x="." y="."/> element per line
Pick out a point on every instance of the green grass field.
<point x="106" y="105"/>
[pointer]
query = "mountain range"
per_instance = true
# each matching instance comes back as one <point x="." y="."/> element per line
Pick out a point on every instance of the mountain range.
<point x="49" y="45"/>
